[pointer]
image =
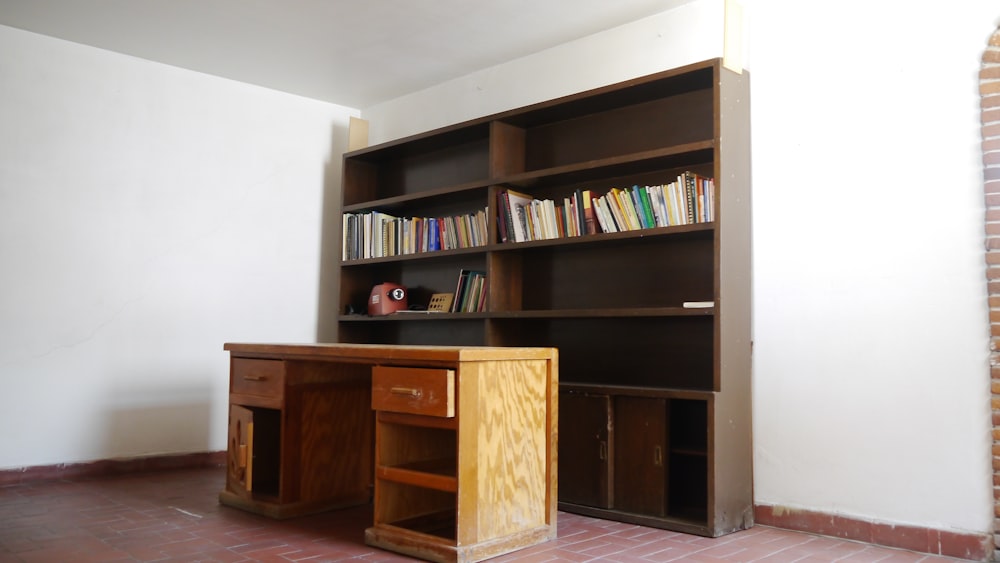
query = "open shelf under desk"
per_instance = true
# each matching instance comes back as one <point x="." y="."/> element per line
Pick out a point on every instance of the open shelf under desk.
<point x="433" y="474"/>
<point x="437" y="525"/>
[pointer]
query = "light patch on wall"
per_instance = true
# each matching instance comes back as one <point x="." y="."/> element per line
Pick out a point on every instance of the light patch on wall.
<point x="732" y="50"/>
<point x="357" y="133"/>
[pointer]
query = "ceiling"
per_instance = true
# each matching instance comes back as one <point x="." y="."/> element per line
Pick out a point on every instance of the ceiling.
<point x="355" y="53"/>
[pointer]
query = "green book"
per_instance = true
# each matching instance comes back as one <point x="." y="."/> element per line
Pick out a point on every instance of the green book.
<point x="648" y="220"/>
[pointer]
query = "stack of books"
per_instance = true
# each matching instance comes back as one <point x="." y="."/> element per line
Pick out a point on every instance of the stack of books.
<point x="689" y="199"/>
<point x="470" y="292"/>
<point x="374" y="234"/>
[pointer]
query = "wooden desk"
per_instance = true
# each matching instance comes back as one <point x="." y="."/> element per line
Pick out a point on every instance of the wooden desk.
<point x="459" y="456"/>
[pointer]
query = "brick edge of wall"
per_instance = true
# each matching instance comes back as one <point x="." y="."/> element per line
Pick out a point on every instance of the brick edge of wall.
<point x="989" y="91"/>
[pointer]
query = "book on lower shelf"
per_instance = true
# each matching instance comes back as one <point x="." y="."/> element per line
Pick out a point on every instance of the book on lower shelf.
<point x="470" y="292"/>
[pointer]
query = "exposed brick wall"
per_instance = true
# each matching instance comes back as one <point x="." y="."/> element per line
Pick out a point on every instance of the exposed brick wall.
<point x="989" y="89"/>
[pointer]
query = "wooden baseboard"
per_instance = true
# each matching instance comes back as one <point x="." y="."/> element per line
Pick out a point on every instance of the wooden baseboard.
<point x="972" y="546"/>
<point x="111" y="467"/>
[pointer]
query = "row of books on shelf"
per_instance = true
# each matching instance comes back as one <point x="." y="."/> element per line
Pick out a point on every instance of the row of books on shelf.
<point x="373" y="234"/>
<point x="689" y="199"/>
<point x="522" y="218"/>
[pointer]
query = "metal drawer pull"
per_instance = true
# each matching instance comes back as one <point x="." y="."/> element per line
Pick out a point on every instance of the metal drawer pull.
<point x="408" y="391"/>
<point x="255" y="378"/>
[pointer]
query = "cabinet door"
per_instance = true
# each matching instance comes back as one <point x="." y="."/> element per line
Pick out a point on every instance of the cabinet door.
<point x="640" y="450"/>
<point x="253" y="467"/>
<point x="584" y="449"/>
<point x="239" y="454"/>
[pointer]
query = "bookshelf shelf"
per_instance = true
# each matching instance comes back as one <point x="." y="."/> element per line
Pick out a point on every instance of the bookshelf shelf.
<point x="623" y="165"/>
<point x="671" y="382"/>
<point x="415" y="316"/>
<point x="467" y="190"/>
<point x="418" y="256"/>
<point x="587" y="239"/>
<point x="423" y="316"/>
<point x="608" y="238"/>
<point x="599" y="313"/>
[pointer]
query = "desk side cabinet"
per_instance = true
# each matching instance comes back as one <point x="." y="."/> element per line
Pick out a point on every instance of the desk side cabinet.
<point x="290" y="426"/>
<point x="465" y="457"/>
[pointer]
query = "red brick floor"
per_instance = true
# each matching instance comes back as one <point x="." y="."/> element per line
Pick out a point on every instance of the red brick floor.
<point x="175" y="516"/>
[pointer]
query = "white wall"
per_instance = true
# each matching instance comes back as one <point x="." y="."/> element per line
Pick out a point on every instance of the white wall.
<point x="687" y="34"/>
<point x="871" y="375"/>
<point x="148" y="214"/>
<point x="871" y="321"/>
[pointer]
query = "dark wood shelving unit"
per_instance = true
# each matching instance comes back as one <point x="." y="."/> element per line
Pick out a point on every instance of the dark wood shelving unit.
<point x="654" y="396"/>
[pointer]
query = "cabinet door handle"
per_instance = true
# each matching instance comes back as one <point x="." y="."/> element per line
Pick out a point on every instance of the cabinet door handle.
<point x="242" y="457"/>
<point x="657" y="456"/>
<point x="407" y="391"/>
<point x="255" y="378"/>
<point x="603" y="453"/>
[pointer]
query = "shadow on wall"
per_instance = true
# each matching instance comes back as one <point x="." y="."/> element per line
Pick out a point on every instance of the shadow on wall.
<point x="153" y="421"/>
<point x="330" y="247"/>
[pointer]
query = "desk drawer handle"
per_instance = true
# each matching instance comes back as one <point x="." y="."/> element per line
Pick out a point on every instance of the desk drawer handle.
<point x="255" y="378"/>
<point x="408" y="391"/>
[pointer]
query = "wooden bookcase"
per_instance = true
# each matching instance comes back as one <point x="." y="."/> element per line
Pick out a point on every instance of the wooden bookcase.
<point x="655" y="397"/>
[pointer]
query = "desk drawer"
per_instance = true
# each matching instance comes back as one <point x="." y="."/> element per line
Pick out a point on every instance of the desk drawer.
<point x="425" y="391"/>
<point x="265" y="378"/>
